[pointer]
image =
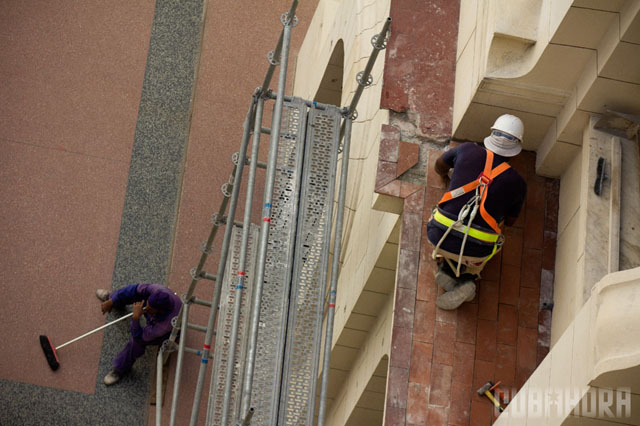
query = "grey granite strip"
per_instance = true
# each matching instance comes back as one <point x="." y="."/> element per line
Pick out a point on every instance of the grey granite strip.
<point x="147" y="228"/>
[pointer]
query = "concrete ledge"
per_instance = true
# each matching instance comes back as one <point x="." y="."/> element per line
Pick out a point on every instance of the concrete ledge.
<point x="596" y="359"/>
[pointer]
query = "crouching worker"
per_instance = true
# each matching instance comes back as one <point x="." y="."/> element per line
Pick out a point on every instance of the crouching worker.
<point x="484" y="193"/>
<point x="158" y="304"/>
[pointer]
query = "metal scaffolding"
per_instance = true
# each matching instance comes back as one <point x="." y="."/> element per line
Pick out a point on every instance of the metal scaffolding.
<point x="271" y="294"/>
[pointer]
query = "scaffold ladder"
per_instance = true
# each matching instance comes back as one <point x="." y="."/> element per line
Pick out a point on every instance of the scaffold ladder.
<point x="271" y="295"/>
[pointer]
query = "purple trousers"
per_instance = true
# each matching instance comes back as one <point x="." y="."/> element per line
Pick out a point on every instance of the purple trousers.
<point x="134" y="349"/>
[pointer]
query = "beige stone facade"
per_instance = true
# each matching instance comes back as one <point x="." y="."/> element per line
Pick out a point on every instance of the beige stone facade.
<point x="364" y="312"/>
<point x="560" y="65"/>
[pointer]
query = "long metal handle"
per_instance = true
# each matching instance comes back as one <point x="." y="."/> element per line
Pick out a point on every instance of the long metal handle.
<point x="93" y="331"/>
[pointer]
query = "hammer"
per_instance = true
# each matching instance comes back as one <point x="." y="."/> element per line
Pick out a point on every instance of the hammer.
<point x="486" y="390"/>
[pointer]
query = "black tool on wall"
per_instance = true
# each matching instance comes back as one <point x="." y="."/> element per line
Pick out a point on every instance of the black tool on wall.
<point x="600" y="176"/>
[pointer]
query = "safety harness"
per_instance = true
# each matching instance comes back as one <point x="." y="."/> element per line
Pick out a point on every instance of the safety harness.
<point x="470" y="209"/>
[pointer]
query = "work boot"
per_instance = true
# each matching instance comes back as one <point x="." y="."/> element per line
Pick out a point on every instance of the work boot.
<point x="102" y="294"/>
<point x="112" y="378"/>
<point x="444" y="280"/>
<point x="465" y="292"/>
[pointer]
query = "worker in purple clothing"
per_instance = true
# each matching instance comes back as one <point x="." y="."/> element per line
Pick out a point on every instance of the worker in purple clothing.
<point x="158" y="304"/>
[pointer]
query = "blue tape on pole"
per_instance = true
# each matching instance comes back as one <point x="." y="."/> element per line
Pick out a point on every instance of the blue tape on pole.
<point x="205" y="361"/>
<point x="239" y="287"/>
<point x="268" y="205"/>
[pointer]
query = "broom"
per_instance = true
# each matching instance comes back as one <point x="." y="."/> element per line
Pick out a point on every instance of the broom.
<point x="50" y="351"/>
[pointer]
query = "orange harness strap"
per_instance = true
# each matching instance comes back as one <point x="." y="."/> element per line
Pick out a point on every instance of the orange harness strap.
<point x="486" y="177"/>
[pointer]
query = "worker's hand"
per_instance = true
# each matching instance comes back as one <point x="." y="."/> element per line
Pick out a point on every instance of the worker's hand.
<point x="106" y="306"/>
<point x="137" y="310"/>
<point x="446" y="179"/>
<point x="444" y="170"/>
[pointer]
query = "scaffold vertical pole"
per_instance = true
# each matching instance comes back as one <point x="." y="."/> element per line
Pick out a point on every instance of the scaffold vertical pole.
<point x="337" y="246"/>
<point x="223" y="261"/>
<point x="364" y="79"/>
<point x="178" y="377"/>
<point x="264" y="231"/>
<point x="242" y="261"/>
<point x="278" y="51"/>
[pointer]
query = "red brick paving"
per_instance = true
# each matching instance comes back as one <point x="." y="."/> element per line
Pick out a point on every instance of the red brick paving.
<point x="440" y="358"/>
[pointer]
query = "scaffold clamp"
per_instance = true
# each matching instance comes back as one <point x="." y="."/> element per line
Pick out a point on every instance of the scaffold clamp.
<point x="271" y="58"/>
<point x="192" y="272"/>
<point x="284" y="18"/>
<point x="360" y="81"/>
<point x="204" y="248"/>
<point x="383" y="43"/>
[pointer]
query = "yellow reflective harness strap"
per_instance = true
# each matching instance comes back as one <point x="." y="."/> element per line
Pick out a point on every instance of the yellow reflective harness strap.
<point x="495" y="250"/>
<point x="475" y="233"/>
<point x="480" y="185"/>
<point x="486" y="177"/>
<point x="496" y="239"/>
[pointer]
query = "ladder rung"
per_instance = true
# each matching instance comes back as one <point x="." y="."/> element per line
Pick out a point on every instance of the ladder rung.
<point x="201" y="302"/>
<point x="197" y="327"/>
<point x="196" y="352"/>
<point x="260" y="164"/>
<point x="235" y="222"/>
<point x="265" y="130"/>
<point x="208" y="276"/>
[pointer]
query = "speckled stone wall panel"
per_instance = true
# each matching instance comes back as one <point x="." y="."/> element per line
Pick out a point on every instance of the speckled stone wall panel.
<point x="146" y="231"/>
<point x="160" y="141"/>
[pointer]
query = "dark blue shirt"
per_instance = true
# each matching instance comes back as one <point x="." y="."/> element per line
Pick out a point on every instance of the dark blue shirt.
<point x="504" y="199"/>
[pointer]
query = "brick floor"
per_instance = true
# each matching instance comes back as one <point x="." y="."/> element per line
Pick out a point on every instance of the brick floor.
<point x="502" y="335"/>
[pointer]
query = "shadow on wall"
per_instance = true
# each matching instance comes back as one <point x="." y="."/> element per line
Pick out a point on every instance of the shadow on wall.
<point x="514" y="38"/>
<point x="330" y="90"/>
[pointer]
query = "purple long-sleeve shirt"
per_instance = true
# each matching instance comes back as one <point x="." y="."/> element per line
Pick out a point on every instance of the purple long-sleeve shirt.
<point x="157" y="325"/>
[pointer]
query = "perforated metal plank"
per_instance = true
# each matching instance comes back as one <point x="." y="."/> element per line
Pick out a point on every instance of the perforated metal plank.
<point x="225" y="323"/>
<point x="278" y="268"/>
<point x="304" y="329"/>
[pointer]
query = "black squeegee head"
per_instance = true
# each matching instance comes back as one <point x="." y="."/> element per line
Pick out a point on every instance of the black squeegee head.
<point x="49" y="352"/>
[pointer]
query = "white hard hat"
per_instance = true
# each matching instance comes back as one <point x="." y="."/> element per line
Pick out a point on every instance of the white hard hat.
<point x="509" y="124"/>
<point x="506" y="136"/>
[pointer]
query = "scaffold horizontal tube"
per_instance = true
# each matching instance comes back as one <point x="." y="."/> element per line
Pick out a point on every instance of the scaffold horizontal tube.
<point x="259" y="164"/>
<point x="208" y="276"/>
<point x="196" y="352"/>
<point x="201" y="302"/>
<point x="197" y="327"/>
<point x="310" y="104"/>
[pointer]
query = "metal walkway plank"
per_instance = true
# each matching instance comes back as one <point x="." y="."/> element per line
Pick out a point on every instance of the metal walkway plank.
<point x="278" y="265"/>
<point x="223" y="330"/>
<point x="310" y="269"/>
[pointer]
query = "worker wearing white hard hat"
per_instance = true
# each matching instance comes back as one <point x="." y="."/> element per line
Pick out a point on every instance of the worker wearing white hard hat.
<point x="484" y="193"/>
<point x="506" y="136"/>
